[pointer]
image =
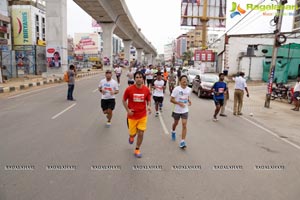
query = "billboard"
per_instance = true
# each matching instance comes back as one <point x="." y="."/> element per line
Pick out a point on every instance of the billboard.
<point x="192" y="10"/>
<point x="86" y="43"/>
<point x="22" y="29"/>
<point x="296" y="25"/>
<point x="255" y="16"/>
<point x="53" y="54"/>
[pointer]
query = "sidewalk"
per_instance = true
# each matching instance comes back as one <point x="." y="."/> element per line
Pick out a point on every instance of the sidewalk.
<point x="16" y="84"/>
<point x="279" y="118"/>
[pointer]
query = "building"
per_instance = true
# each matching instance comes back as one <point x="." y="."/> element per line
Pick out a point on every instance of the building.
<point x="168" y="53"/>
<point x="5" y="42"/>
<point x="181" y="45"/>
<point x="28" y="36"/>
<point x="194" y="39"/>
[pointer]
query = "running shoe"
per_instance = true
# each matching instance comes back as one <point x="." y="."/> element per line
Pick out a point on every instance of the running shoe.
<point x="137" y="153"/>
<point x="215" y="118"/>
<point x="156" y="114"/>
<point x="131" y="139"/>
<point x="173" y="134"/>
<point x="182" y="144"/>
<point x="108" y="124"/>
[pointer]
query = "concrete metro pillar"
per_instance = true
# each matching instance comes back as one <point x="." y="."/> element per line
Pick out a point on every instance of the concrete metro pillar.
<point x="56" y="34"/>
<point x="139" y="55"/>
<point x="127" y="45"/>
<point x="107" y="35"/>
<point x="149" y="58"/>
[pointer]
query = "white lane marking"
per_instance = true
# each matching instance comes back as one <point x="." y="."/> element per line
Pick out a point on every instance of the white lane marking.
<point x="272" y="133"/>
<point x="162" y="122"/>
<point x="25" y="93"/>
<point x="65" y="110"/>
<point x="95" y="90"/>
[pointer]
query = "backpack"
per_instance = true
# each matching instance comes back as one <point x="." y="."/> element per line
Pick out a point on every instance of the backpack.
<point x="66" y="76"/>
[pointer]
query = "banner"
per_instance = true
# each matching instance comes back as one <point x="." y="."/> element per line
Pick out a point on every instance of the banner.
<point x="86" y="43"/>
<point x="192" y="10"/>
<point x="255" y="16"/>
<point x="22" y="29"/>
<point x="53" y="54"/>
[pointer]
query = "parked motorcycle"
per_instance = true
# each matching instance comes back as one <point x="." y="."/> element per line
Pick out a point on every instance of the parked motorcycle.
<point x="282" y="91"/>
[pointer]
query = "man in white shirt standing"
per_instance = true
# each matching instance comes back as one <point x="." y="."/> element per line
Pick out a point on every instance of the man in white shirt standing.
<point x="181" y="98"/>
<point x="158" y="93"/>
<point x="108" y="88"/>
<point x="240" y="86"/>
<point x="297" y="94"/>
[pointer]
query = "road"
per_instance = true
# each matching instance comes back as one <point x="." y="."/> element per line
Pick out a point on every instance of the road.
<point x="55" y="149"/>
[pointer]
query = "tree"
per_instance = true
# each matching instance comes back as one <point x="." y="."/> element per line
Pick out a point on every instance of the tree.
<point x="186" y="56"/>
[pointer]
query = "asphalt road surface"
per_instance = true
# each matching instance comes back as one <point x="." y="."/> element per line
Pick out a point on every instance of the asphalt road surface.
<point x="51" y="148"/>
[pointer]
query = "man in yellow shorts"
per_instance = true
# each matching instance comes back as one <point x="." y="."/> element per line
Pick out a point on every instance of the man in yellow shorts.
<point x="137" y="100"/>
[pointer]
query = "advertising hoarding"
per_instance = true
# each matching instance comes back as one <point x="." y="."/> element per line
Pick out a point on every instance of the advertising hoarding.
<point x="255" y="16"/>
<point x="192" y="10"/>
<point x="86" y="43"/>
<point x="22" y="29"/>
<point x="296" y="25"/>
<point x="53" y="54"/>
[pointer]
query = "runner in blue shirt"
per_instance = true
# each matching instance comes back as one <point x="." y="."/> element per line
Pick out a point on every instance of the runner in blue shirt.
<point x="219" y="88"/>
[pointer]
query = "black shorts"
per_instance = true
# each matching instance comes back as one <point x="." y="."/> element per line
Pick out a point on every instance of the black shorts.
<point x="177" y="116"/>
<point x="219" y="102"/>
<point x="108" y="104"/>
<point x="158" y="99"/>
<point x="149" y="81"/>
<point x="130" y="82"/>
<point x="165" y="82"/>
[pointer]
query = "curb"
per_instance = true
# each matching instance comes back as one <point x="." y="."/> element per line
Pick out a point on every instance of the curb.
<point x="39" y="83"/>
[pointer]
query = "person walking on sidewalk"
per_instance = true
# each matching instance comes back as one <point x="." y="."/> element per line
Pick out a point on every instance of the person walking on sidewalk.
<point x="219" y="89"/>
<point x="240" y="86"/>
<point x="297" y="94"/>
<point x="158" y="92"/>
<point x="137" y="101"/>
<point x="108" y="88"/>
<point x="181" y="98"/>
<point x="71" y="82"/>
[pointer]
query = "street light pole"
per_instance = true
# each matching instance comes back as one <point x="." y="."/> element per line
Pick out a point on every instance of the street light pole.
<point x="277" y="43"/>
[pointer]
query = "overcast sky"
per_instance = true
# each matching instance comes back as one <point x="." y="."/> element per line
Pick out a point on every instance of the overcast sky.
<point x="159" y="20"/>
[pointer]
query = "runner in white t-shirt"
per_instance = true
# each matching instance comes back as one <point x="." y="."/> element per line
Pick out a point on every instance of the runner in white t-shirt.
<point x="149" y="76"/>
<point x="158" y="92"/>
<point x="118" y="71"/>
<point x="108" y="88"/>
<point x="130" y="74"/>
<point x="181" y="98"/>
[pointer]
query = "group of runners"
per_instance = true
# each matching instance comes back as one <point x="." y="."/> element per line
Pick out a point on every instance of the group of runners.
<point x="137" y="101"/>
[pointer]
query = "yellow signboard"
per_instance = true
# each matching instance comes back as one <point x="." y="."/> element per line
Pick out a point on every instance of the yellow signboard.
<point x="22" y="30"/>
<point x="41" y="43"/>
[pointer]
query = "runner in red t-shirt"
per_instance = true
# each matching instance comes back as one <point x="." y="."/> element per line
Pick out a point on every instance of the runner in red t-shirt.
<point x="137" y="100"/>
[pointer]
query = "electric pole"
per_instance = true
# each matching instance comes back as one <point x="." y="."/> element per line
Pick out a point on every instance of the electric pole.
<point x="277" y="42"/>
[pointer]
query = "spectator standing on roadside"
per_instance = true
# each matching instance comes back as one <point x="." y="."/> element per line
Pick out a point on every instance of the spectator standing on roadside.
<point x="71" y="83"/>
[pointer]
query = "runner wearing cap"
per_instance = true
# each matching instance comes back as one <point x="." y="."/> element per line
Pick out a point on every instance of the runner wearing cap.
<point x="108" y="88"/>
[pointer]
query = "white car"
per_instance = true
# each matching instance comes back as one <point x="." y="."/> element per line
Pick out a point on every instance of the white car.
<point x="192" y="73"/>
